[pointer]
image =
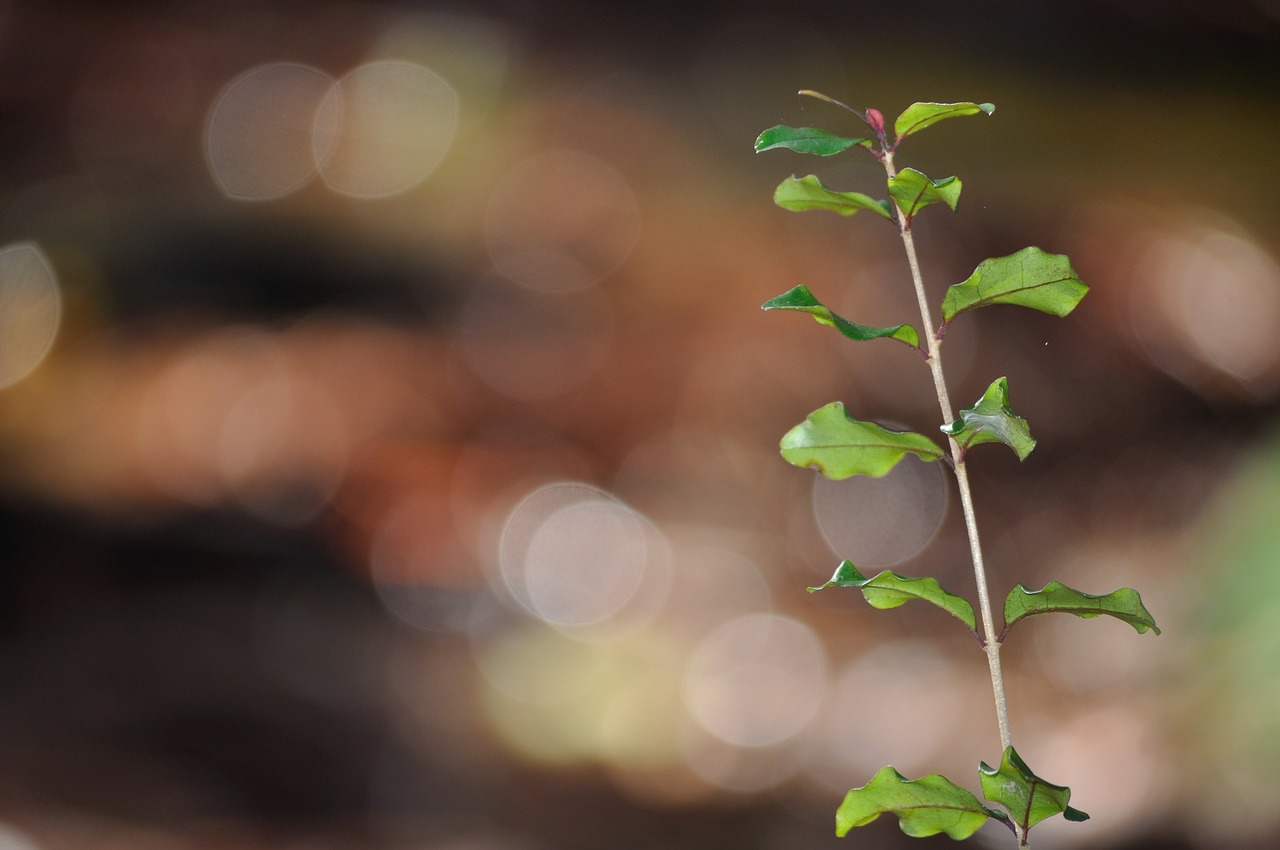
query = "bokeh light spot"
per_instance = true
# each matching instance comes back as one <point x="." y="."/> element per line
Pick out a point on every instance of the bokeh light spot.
<point x="756" y="680"/>
<point x="258" y="142"/>
<point x="561" y="221"/>
<point x="383" y="128"/>
<point x="1219" y="293"/>
<point x="584" y="562"/>
<point x="12" y="839"/>
<point x="30" y="310"/>
<point x="573" y="556"/>
<point x="882" y="521"/>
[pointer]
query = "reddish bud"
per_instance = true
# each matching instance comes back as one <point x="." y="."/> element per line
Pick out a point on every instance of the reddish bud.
<point x="876" y="120"/>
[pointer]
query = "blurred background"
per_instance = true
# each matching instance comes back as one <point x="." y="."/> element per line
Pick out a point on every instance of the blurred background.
<point x="388" y="432"/>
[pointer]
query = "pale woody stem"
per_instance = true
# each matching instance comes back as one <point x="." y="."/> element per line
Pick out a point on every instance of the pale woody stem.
<point x="991" y="645"/>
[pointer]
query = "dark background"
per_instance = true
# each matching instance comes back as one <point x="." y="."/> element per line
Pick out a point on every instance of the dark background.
<point x="257" y="500"/>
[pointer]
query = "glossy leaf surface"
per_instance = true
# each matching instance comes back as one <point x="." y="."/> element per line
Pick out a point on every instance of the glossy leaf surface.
<point x="806" y="140"/>
<point x="917" y="116"/>
<point x="1029" y="278"/>
<point x="992" y="420"/>
<point x="889" y="590"/>
<point x="913" y="191"/>
<point x="835" y="444"/>
<point x="925" y="806"/>
<point x="808" y="193"/>
<point x="1026" y="797"/>
<point x="1123" y="604"/>
<point x="802" y="300"/>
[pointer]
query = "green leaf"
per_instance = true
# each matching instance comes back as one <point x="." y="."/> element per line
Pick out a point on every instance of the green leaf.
<point x="991" y="420"/>
<point x="920" y="115"/>
<point x="1123" y="604"/>
<point x="925" y="806"/>
<point x="1026" y="797"/>
<point x="838" y="446"/>
<point x="808" y="193"/>
<point x="1029" y="278"/>
<point x="801" y="299"/>
<point x="913" y="191"/>
<point x="806" y="140"/>
<point x="889" y="590"/>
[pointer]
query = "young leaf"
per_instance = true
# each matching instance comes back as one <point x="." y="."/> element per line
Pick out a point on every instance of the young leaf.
<point x="1123" y="604"/>
<point x="1029" y="278"/>
<point x="808" y="193"/>
<point x="925" y="806"/>
<point x="802" y="300"/>
<point x="991" y="420"/>
<point x="913" y="191"/>
<point x="838" y="446"/>
<point x="1026" y="797"/>
<point x="889" y="590"/>
<point x="806" y="140"/>
<point x="920" y="115"/>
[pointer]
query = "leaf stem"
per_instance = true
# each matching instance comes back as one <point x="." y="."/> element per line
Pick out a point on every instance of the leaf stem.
<point x="990" y="645"/>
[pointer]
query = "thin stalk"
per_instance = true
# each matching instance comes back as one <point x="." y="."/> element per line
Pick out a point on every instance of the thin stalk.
<point x="991" y="645"/>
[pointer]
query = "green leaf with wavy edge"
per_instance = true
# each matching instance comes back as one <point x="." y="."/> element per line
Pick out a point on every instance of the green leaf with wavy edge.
<point x="925" y="806"/>
<point x="1123" y="604"/>
<point x="807" y="193"/>
<point x="802" y="300"/>
<point x="809" y="140"/>
<point x="1029" y="278"/>
<point x="992" y="420"/>
<point x="917" y="116"/>
<point x="913" y="191"/>
<point x="838" y="446"/>
<point x="1026" y="797"/>
<point x="889" y="590"/>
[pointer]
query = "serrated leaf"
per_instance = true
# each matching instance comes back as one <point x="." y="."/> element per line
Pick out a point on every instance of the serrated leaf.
<point x="913" y="191"/>
<point x="802" y="300"/>
<point x="838" y="446"/>
<point x="806" y="140"/>
<point x="1026" y="797"/>
<point x="992" y="420"/>
<point x="925" y="806"/>
<point x="1123" y="604"/>
<point x="917" y="116"/>
<point x="1029" y="278"/>
<point x="889" y="590"/>
<point x="808" y="193"/>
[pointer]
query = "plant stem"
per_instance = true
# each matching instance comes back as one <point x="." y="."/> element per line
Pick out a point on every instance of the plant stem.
<point x="991" y="645"/>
